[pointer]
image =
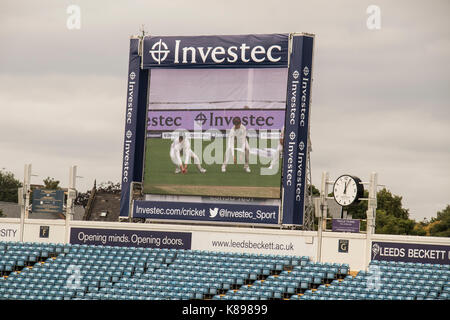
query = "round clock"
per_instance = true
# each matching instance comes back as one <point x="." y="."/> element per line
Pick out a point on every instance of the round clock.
<point x="347" y="189"/>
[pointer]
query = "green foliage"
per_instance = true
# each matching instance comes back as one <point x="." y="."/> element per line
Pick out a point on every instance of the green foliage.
<point x="419" y="229"/>
<point x="109" y="187"/>
<point x="51" y="184"/>
<point x="9" y="186"/>
<point x="358" y="210"/>
<point x="392" y="218"/>
<point x="315" y="191"/>
<point x="387" y="223"/>
<point x="440" y="226"/>
<point x="392" y="204"/>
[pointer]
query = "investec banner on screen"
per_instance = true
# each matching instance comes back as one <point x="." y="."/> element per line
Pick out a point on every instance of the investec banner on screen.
<point x="169" y="120"/>
<point x="207" y="212"/>
<point x="226" y="51"/>
<point x="131" y="238"/>
<point x="297" y="130"/>
<point x="411" y="252"/>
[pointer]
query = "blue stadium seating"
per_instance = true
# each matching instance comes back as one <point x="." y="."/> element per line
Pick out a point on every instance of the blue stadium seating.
<point x="37" y="271"/>
<point x="392" y="281"/>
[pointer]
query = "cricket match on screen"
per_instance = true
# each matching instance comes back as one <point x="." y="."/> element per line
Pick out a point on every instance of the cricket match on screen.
<point x="215" y="132"/>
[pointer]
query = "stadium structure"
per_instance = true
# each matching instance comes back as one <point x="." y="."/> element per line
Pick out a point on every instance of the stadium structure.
<point x="243" y="231"/>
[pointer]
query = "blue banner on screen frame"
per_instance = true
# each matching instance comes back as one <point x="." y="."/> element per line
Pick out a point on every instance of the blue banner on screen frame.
<point x="134" y="134"/>
<point x="241" y="51"/>
<point x="297" y="129"/>
<point x="411" y="252"/>
<point x="131" y="238"/>
<point x="206" y="212"/>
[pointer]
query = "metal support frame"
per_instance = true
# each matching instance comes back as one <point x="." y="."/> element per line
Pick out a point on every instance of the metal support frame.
<point x="371" y="212"/>
<point x="308" y="219"/>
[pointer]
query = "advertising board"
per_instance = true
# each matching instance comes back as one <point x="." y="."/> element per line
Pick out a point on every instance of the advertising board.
<point x="224" y="116"/>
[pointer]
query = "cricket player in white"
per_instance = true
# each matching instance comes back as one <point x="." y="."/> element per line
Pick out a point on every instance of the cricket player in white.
<point x="276" y="155"/>
<point x="179" y="146"/>
<point x="240" y="133"/>
<point x="271" y="153"/>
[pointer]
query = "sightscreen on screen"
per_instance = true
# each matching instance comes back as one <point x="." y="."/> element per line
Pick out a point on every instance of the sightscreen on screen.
<point x="215" y="132"/>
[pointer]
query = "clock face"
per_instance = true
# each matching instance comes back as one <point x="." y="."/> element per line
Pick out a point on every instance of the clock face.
<point x="346" y="190"/>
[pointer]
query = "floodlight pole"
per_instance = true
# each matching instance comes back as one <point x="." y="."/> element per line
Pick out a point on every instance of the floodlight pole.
<point x="371" y="215"/>
<point x="27" y="186"/>
<point x="24" y="194"/>
<point x="71" y="196"/>
<point x="321" y="211"/>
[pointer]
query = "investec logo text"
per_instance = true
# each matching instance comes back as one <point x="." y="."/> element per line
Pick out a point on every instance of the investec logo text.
<point x="128" y="133"/>
<point x="244" y="53"/>
<point x="292" y="143"/>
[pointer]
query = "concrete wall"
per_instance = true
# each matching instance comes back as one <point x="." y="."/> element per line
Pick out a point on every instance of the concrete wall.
<point x="356" y="247"/>
<point x="56" y="231"/>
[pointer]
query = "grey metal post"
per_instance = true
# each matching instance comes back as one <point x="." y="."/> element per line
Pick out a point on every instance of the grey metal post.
<point x="27" y="186"/>
<point x="371" y="215"/>
<point x="71" y="195"/>
<point x="21" y="198"/>
<point x="24" y="192"/>
<point x="322" y="211"/>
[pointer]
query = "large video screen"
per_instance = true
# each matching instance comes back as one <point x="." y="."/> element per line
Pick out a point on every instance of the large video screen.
<point x="215" y="132"/>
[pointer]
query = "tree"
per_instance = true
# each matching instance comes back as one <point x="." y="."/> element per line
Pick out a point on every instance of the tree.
<point x="359" y="210"/>
<point x="391" y="204"/>
<point x="9" y="186"/>
<point x="315" y="191"/>
<point x="51" y="184"/>
<point x="440" y="226"/>
<point x="82" y="198"/>
<point x="391" y="217"/>
<point x="387" y="223"/>
<point x="109" y="187"/>
<point x="420" y="228"/>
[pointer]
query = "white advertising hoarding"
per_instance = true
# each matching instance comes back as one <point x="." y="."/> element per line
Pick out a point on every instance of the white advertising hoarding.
<point x="294" y="245"/>
<point x="9" y="232"/>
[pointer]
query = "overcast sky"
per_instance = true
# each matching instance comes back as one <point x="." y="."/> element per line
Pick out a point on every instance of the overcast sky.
<point x="380" y="98"/>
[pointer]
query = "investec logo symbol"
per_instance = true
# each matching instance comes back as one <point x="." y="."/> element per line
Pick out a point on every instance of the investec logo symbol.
<point x="244" y="53"/>
<point x="201" y="119"/>
<point x="129" y="134"/>
<point x="159" y="51"/>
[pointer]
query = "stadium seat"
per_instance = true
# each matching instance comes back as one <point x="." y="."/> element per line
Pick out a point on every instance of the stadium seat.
<point x="111" y="273"/>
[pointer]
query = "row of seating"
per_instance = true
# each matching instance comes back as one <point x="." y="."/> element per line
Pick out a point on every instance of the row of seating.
<point x="410" y="282"/>
<point x="289" y="282"/>
<point x="115" y="272"/>
<point x="415" y="265"/>
<point x="82" y="272"/>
